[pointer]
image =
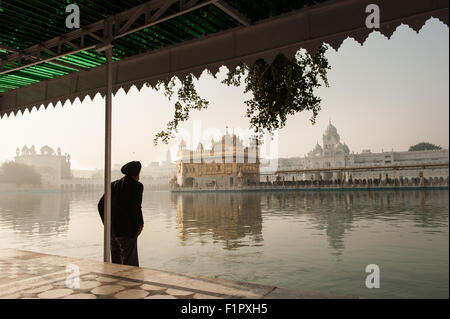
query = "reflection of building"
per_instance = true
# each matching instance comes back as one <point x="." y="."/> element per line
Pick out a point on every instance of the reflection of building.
<point x="338" y="214"/>
<point x="227" y="163"/>
<point x="335" y="154"/>
<point x="51" y="165"/>
<point x="228" y="217"/>
<point x="36" y="213"/>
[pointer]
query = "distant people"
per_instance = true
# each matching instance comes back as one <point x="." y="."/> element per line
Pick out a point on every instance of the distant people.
<point x="126" y="215"/>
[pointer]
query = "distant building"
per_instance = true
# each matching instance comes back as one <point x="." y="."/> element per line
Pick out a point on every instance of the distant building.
<point x="226" y="163"/>
<point x="52" y="166"/>
<point x="335" y="154"/>
<point x="157" y="175"/>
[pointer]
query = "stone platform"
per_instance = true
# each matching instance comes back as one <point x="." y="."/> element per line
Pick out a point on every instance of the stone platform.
<point x="31" y="275"/>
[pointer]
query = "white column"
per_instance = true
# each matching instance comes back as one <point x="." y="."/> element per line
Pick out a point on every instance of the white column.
<point x="108" y="113"/>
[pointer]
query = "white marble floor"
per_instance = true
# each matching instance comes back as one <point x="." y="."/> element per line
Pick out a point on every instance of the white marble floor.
<point x="25" y="275"/>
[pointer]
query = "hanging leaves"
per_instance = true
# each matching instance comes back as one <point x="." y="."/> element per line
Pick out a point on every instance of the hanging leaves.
<point x="187" y="100"/>
<point x="283" y="88"/>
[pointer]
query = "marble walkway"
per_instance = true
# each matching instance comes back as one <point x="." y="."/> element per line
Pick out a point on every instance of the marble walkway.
<point x="25" y="275"/>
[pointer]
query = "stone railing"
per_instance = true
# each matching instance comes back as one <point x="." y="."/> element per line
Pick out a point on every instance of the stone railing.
<point x="330" y="185"/>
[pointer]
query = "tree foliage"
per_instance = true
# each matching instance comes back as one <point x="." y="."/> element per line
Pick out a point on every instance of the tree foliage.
<point x="187" y="99"/>
<point x="282" y="88"/>
<point x="19" y="174"/>
<point x="424" y="146"/>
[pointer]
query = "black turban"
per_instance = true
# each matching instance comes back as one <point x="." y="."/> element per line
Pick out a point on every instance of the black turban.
<point x="131" y="168"/>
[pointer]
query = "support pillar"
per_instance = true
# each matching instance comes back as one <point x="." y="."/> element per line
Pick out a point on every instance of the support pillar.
<point x="107" y="198"/>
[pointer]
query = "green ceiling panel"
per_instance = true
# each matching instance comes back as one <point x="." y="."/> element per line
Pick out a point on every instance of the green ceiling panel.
<point x="24" y="23"/>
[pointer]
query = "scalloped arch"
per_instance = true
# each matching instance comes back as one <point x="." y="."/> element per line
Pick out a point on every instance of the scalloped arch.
<point x="223" y="49"/>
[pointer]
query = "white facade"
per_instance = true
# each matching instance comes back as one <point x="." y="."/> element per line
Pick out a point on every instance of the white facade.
<point x="335" y="154"/>
<point x="51" y="165"/>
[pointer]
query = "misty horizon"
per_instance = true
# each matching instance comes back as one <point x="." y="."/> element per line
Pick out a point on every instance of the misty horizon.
<point x="116" y="166"/>
<point x="375" y="100"/>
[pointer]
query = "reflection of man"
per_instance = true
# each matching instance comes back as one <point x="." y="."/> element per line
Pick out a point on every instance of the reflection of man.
<point x="126" y="215"/>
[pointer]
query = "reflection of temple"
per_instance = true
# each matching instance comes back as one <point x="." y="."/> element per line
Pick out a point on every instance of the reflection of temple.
<point x="330" y="212"/>
<point x="232" y="218"/>
<point x="226" y="163"/>
<point x="51" y="165"/>
<point x="338" y="213"/>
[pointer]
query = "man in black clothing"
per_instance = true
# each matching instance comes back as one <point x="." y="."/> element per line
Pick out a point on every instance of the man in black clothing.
<point x="126" y="215"/>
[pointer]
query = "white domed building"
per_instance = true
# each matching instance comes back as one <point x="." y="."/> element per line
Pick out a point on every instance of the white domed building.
<point x="335" y="154"/>
<point x="332" y="155"/>
<point x="52" y="166"/>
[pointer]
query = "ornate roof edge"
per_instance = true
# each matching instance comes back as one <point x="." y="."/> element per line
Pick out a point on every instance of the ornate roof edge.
<point x="331" y="22"/>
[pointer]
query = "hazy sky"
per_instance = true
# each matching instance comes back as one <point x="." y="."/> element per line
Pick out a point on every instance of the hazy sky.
<point x="385" y="94"/>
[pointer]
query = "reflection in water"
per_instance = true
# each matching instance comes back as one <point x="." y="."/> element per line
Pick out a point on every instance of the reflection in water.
<point x="229" y="217"/>
<point x="42" y="213"/>
<point x="309" y="240"/>
<point x="329" y="211"/>
<point x="51" y="222"/>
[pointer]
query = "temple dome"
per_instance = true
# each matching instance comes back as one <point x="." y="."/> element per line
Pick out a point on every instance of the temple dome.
<point x="331" y="130"/>
<point x="317" y="151"/>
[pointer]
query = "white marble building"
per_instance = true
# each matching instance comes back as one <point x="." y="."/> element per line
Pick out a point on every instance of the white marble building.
<point x="335" y="154"/>
<point x="52" y="166"/>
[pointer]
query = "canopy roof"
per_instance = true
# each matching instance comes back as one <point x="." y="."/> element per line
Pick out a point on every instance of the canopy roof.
<point x="42" y="61"/>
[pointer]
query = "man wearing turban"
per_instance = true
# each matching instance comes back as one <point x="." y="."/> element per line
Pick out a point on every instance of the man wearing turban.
<point x="126" y="215"/>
